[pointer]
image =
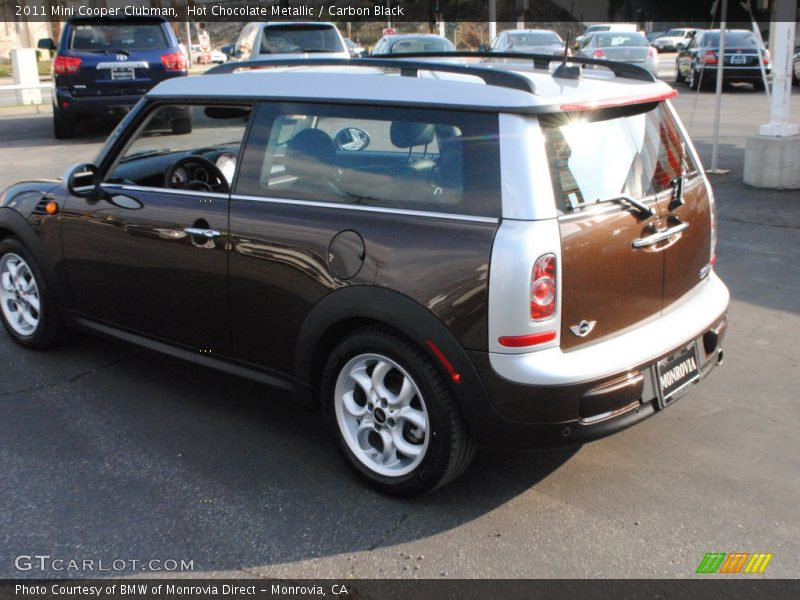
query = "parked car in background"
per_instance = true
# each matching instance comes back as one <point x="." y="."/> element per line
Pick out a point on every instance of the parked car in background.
<point x="534" y="41"/>
<point x="600" y="27"/>
<point x="697" y="63"/>
<point x="621" y="46"/>
<point x="796" y="70"/>
<point x="355" y="50"/>
<point x="651" y="37"/>
<point x="279" y="39"/>
<point x="411" y="43"/>
<point x="438" y="262"/>
<point x="670" y="40"/>
<point x="102" y="67"/>
<point x="212" y="56"/>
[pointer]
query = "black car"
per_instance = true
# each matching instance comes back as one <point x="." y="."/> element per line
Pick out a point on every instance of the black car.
<point x="697" y="62"/>
<point x="796" y="68"/>
<point x="103" y="66"/>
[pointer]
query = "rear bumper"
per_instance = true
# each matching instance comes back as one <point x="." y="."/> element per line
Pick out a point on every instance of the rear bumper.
<point x="553" y="398"/>
<point x="92" y="106"/>
<point x="736" y="73"/>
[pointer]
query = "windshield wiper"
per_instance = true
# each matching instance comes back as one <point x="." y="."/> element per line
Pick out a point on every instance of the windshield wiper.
<point x="644" y="210"/>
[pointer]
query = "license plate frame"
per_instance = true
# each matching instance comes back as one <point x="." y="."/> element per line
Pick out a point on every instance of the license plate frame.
<point x="123" y="74"/>
<point x="672" y="381"/>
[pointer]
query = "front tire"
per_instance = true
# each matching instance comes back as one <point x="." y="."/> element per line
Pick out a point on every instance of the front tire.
<point x="392" y="414"/>
<point x="27" y="305"/>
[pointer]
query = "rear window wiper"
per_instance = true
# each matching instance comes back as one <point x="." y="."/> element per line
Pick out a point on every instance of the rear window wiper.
<point x="644" y="210"/>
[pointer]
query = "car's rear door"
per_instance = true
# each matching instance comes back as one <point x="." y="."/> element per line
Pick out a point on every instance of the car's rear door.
<point x="613" y="252"/>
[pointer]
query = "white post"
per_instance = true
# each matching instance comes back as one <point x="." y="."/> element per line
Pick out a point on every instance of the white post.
<point x="492" y="20"/>
<point x="441" y="28"/>
<point x="720" y="75"/>
<point x="26" y="72"/>
<point x="188" y="30"/>
<point x="779" y="125"/>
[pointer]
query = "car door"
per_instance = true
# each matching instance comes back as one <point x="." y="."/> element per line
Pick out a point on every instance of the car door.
<point x="150" y="253"/>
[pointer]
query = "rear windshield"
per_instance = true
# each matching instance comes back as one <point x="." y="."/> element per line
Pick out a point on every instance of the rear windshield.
<point x="638" y="155"/>
<point x="118" y="36"/>
<point x="534" y="38"/>
<point x="738" y="39"/>
<point x="422" y="45"/>
<point x="622" y="40"/>
<point x="300" y="38"/>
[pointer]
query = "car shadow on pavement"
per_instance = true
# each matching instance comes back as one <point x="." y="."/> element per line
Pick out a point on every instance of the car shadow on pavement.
<point x="132" y="454"/>
<point x="32" y="131"/>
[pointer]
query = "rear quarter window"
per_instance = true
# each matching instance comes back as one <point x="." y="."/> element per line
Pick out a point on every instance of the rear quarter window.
<point x="425" y="160"/>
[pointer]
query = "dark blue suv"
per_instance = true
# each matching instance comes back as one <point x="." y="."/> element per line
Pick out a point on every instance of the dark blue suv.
<point x="103" y="66"/>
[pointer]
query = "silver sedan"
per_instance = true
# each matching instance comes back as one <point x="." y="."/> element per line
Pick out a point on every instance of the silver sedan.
<point x="620" y="46"/>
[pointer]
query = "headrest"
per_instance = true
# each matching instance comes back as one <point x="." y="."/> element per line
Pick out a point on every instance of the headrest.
<point x="313" y="143"/>
<point x="405" y="134"/>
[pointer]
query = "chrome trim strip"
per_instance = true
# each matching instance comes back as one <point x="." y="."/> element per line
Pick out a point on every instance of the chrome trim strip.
<point x="134" y="64"/>
<point x="139" y="188"/>
<point x="682" y="321"/>
<point x="611" y="413"/>
<point x="358" y="207"/>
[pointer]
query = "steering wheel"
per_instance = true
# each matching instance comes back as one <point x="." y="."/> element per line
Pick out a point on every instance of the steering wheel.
<point x="196" y="173"/>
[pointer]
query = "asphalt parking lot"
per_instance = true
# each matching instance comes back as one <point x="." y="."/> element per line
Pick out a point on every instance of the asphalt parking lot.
<point x="113" y="453"/>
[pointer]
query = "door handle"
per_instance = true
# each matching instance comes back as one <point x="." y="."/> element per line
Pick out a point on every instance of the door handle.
<point x="208" y="233"/>
<point x="660" y="236"/>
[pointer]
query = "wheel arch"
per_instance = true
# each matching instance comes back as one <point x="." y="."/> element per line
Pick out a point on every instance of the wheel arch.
<point x="349" y="308"/>
<point x="13" y="224"/>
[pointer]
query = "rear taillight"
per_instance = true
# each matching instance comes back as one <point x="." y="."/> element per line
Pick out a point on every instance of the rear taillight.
<point x="709" y="58"/>
<point x="543" y="288"/>
<point x="599" y="53"/>
<point x="651" y="52"/>
<point x="66" y="65"/>
<point x="174" y="62"/>
<point x="765" y="58"/>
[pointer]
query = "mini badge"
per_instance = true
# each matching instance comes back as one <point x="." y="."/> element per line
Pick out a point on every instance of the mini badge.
<point x="583" y="328"/>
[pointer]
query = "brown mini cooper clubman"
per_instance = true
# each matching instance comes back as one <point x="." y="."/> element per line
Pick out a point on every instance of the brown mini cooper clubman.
<point x="444" y="254"/>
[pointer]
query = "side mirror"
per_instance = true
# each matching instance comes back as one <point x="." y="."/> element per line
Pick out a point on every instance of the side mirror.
<point x="351" y="139"/>
<point x="229" y="50"/>
<point x="46" y="44"/>
<point x="83" y="180"/>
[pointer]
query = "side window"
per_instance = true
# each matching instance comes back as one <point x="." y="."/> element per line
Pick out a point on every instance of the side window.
<point x="428" y="160"/>
<point x="192" y="147"/>
<point x="638" y="155"/>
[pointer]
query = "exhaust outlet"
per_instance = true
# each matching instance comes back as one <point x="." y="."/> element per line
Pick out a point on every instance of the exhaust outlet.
<point x="720" y="356"/>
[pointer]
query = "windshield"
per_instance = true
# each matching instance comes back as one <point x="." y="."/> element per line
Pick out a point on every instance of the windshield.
<point x="614" y="40"/>
<point x="733" y="39"/>
<point x="538" y="38"/>
<point x="422" y="45"/>
<point x="675" y="33"/>
<point x="114" y="37"/>
<point x="284" y="39"/>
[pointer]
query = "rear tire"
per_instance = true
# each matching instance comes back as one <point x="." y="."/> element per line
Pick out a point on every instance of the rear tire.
<point x="392" y="414"/>
<point x="758" y="86"/>
<point x="693" y="81"/>
<point x="28" y="306"/>
<point x="63" y="128"/>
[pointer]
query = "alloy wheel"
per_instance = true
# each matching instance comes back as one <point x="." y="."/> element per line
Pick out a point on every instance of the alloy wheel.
<point x="382" y="415"/>
<point x="19" y="295"/>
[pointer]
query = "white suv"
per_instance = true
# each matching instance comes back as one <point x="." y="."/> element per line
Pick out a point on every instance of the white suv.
<point x="276" y="40"/>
